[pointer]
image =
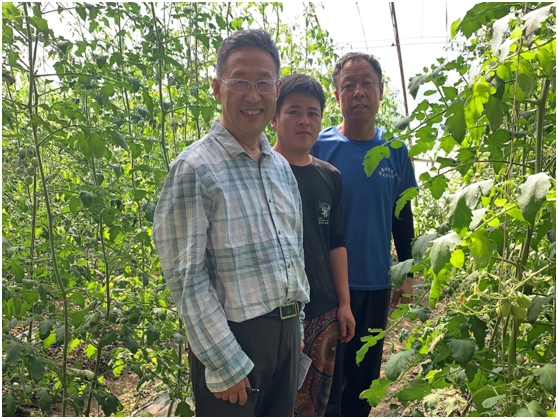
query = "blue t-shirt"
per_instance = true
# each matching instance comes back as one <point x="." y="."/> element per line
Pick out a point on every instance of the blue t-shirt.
<point x="368" y="203"/>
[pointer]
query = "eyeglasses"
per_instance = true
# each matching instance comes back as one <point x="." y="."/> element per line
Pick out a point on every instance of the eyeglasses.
<point x="242" y="86"/>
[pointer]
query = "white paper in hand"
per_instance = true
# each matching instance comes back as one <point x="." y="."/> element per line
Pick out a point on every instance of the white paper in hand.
<point x="303" y="367"/>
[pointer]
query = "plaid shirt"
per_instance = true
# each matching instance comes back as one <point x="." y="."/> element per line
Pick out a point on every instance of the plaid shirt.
<point x="228" y="233"/>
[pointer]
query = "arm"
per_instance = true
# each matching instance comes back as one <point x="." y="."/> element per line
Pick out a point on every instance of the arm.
<point x="180" y="228"/>
<point x="339" y="266"/>
<point x="338" y="259"/>
<point x="403" y="234"/>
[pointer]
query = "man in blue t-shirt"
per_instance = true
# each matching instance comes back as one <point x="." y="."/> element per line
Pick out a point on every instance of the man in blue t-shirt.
<point x="368" y="205"/>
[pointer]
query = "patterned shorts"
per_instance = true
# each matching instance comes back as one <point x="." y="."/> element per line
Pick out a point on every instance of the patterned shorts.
<point x="321" y="336"/>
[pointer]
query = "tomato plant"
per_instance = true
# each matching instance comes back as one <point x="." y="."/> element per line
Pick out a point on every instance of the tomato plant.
<point x="489" y="120"/>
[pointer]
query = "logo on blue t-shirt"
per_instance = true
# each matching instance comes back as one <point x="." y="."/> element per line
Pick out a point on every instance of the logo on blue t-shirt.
<point x="323" y="212"/>
<point x="387" y="173"/>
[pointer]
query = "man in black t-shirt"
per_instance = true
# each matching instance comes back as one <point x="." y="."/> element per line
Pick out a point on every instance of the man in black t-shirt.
<point x="329" y="319"/>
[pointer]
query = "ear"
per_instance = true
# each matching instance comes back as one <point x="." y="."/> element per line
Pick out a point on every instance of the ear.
<point x="217" y="89"/>
<point x="274" y="122"/>
<point x="337" y="97"/>
<point x="381" y="91"/>
<point x="278" y="88"/>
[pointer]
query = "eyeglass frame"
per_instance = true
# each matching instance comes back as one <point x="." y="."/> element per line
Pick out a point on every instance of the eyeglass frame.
<point x="275" y="83"/>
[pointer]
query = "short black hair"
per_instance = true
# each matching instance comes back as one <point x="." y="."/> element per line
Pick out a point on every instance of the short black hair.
<point x="352" y="57"/>
<point x="300" y="83"/>
<point x="246" y="38"/>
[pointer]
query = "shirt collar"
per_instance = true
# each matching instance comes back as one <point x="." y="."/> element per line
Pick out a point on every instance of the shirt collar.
<point x="229" y="143"/>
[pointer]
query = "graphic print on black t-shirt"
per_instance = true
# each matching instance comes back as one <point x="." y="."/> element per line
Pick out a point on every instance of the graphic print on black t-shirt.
<point x="323" y="212"/>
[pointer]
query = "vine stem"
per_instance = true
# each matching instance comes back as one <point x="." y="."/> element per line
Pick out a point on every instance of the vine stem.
<point x="32" y="109"/>
<point x="160" y="66"/>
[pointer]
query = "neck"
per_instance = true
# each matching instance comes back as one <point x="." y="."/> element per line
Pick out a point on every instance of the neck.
<point x="294" y="158"/>
<point x="359" y="132"/>
<point x="253" y="148"/>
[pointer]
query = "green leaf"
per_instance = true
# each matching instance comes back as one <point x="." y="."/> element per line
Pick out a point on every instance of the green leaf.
<point x="491" y="401"/>
<point x="135" y="83"/>
<point x="440" y="254"/>
<point x="401" y="125"/>
<point x="405" y="197"/>
<point x="414" y="390"/>
<point x="153" y="334"/>
<point x="40" y="23"/>
<point x="420" y="312"/>
<point x="457" y="258"/>
<point x="536" y="307"/>
<point x="479" y="329"/>
<point x="86" y="198"/>
<point x="179" y="338"/>
<point x="63" y="45"/>
<point x="547" y="377"/>
<point x="118" y="139"/>
<point x="456" y="125"/>
<point x="44" y="399"/>
<point x="8" y="400"/>
<point x="399" y="272"/>
<point x="79" y="299"/>
<point x="101" y="60"/>
<point x="183" y="410"/>
<point x="97" y="145"/>
<point x="13" y="352"/>
<point x="533" y="195"/>
<point x="437" y="186"/>
<point x="108" y="338"/>
<point x="421" y="245"/>
<point x="150" y="212"/>
<point x="44" y="329"/>
<point x="415" y="83"/>
<point x="533" y="409"/>
<point x="397" y="362"/>
<point x="108" y="403"/>
<point x="36" y="368"/>
<point x="139" y="194"/>
<point x="374" y="157"/>
<point x="376" y="392"/>
<point x="77" y="318"/>
<point x="481" y="248"/>
<point x="495" y="113"/>
<point x="369" y="341"/>
<point x="481" y="395"/>
<point x="49" y="341"/>
<point x="462" y="350"/>
<point x="17" y="270"/>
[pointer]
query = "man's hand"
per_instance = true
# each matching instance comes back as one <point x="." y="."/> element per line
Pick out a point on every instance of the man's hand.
<point x="301" y="345"/>
<point x="235" y="394"/>
<point x="346" y="323"/>
<point x="406" y="288"/>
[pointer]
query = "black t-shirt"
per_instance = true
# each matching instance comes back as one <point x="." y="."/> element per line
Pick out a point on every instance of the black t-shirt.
<point x="319" y="184"/>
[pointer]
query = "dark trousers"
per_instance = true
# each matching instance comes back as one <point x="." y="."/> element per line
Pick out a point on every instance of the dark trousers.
<point x="273" y="345"/>
<point x="370" y="309"/>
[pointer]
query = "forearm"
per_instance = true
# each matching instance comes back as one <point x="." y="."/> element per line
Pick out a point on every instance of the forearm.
<point x="338" y="260"/>
<point x="403" y="233"/>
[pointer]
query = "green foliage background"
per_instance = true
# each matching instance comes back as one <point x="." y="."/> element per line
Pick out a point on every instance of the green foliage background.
<point x="94" y="113"/>
<point x="97" y="101"/>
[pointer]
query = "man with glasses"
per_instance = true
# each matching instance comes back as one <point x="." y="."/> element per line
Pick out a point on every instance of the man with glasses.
<point x="228" y="231"/>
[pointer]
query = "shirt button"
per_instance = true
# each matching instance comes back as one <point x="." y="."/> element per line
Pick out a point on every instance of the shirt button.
<point x="279" y="232"/>
<point x="288" y="265"/>
<point x="269" y="201"/>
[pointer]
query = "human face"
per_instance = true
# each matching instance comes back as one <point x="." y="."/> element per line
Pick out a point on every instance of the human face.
<point x="359" y="92"/>
<point x="298" y="123"/>
<point x="245" y="115"/>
